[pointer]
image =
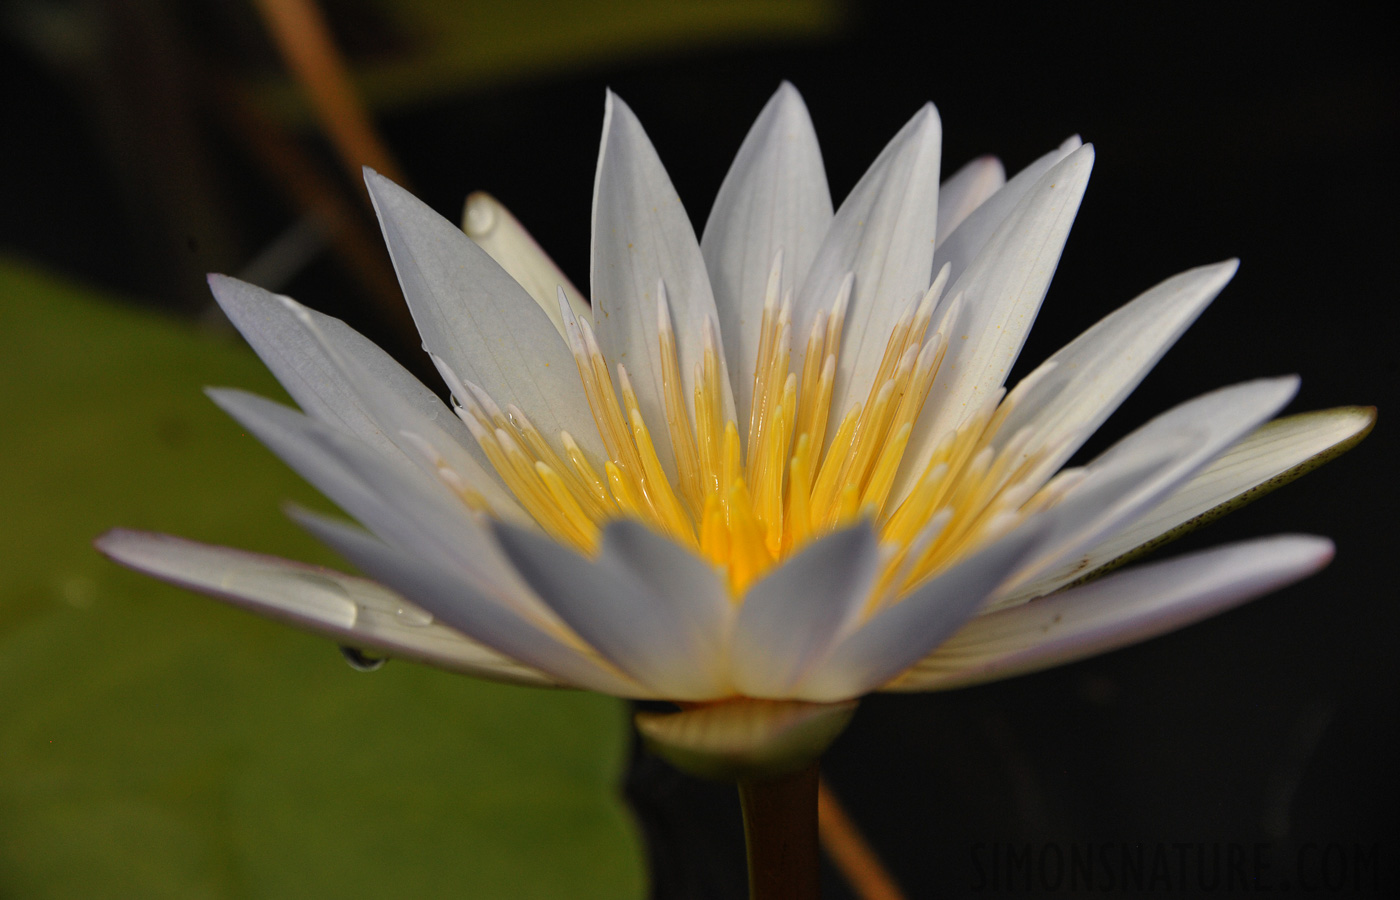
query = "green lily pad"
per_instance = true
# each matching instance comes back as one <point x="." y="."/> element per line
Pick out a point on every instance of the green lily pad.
<point x="154" y="743"/>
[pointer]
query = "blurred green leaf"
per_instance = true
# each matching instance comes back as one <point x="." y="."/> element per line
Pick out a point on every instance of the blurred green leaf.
<point x="154" y="743"/>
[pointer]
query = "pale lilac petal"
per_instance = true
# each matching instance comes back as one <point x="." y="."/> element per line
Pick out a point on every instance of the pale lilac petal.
<point x="475" y="316"/>
<point x="1116" y="611"/>
<point x="1271" y="456"/>
<point x="773" y="198"/>
<point x="666" y="636"/>
<point x="642" y="237"/>
<point x="884" y="233"/>
<point x="901" y="634"/>
<point x="348" y="610"/>
<point x="791" y="616"/>
<point x="464" y="605"/>
<point x="965" y="190"/>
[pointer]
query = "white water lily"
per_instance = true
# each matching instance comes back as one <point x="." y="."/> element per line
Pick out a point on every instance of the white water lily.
<point x="764" y="472"/>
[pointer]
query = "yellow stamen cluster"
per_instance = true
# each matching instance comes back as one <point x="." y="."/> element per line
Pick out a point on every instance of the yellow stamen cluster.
<point x="747" y="506"/>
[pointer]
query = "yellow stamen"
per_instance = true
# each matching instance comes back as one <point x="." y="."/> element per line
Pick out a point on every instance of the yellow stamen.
<point x="746" y="505"/>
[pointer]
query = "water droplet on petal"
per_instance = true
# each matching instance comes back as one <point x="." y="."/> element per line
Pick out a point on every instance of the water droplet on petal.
<point x="413" y="616"/>
<point x="361" y="661"/>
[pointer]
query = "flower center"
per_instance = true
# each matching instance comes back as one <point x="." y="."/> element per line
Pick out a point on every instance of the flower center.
<point x="745" y="507"/>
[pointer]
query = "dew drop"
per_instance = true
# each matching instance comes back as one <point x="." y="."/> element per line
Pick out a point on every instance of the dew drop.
<point x="361" y="661"/>
<point x="413" y="616"/>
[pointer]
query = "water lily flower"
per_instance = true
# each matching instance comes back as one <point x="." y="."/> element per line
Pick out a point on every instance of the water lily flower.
<point x="762" y="473"/>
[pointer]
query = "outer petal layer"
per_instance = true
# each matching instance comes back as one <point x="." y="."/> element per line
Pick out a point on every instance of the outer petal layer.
<point x="670" y="640"/>
<point x="1116" y="611"/>
<point x="1272" y="456"/>
<point x="349" y="610"/>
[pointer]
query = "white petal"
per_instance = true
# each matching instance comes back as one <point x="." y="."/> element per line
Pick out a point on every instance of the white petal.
<point x="400" y="505"/>
<point x="349" y="610"/>
<point x="962" y="246"/>
<point x="668" y="636"/>
<point x="1001" y="292"/>
<point x="1148" y="465"/>
<point x="472" y="314"/>
<point x="340" y="377"/>
<point x="790" y="617"/>
<point x="884" y="232"/>
<point x="1074" y="391"/>
<point x="1116" y="611"/>
<point x="965" y="190"/>
<point x="773" y="198"/>
<point x="486" y="221"/>
<point x="641" y="235"/>
<point x="900" y="635"/>
<point x="1272" y="456"/>
<point x="462" y="604"/>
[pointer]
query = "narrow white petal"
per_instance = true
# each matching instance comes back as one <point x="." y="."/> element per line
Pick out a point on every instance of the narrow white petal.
<point x="966" y="241"/>
<point x="486" y="221"/>
<point x="1001" y="292"/>
<point x="642" y="236"/>
<point x="965" y="190"/>
<point x="342" y="378"/>
<point x="346" y="609"/>
<point x="773" y="198"/>
<point x="666" y="636"/>
<point x="884" y="233"/>
<point x="399" y="504"/>
<point x="1116" y="611"/>
<point x="1268" y="458"/>
<point x="475" y="316"/>
<point x="1145" y="467"/>
<point x="900" y="635"/>
<point x="791" y="616"/>
<point x="462" y="604"/>
<point x="1074" y="391"/>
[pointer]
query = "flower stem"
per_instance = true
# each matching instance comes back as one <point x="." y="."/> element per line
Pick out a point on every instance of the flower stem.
<point x="780" y="828"/>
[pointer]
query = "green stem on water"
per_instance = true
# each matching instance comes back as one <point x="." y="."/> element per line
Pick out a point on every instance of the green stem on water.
<point x="780" y="829"/>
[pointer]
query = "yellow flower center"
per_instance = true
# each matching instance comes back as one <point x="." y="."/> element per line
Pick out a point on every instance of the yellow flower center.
<point x="744" y="512"/>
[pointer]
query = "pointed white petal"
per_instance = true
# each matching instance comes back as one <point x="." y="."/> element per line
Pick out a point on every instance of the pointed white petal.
<point x="346" y="609"/>
<point x="641" y="235"/>
<point x="1270" y="457"/>
<point x="1074" y="391"/>
<point x="668" y="639"/>
<point x="965" y="190"/>
<point x="475" y="316"/>
<point x="790" y="617"/>
<point x="1116" y="611"/>
<point x="1145" y="467"/>
<point x="966" y="241"/>
<point x="486" y="221"/>
<point x="398" y="503"/>
<point x="340" y="377"/>
<point x="884" y="232"/>
<point x="1001" y="292"/>
<point x="900" y="635"/>
<point x="466" y="606"/>
<point x="773" y="198"/>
